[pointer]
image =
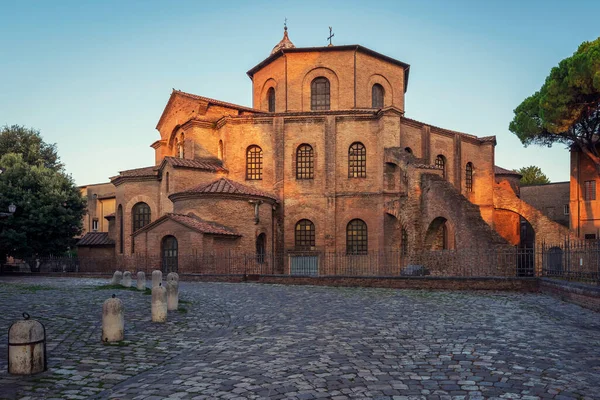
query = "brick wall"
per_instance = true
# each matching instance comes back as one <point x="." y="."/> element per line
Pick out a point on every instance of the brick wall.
<point x="550" y="199"/>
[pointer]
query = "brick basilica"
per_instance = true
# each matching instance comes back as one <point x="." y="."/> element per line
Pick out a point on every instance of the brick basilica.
<point x="324" y="161"/>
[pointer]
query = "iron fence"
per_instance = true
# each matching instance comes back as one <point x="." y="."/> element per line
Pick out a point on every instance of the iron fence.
<point x="572" y="260"/>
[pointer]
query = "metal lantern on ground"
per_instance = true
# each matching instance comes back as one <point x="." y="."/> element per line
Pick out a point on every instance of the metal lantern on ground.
<point x="27" y="347"/>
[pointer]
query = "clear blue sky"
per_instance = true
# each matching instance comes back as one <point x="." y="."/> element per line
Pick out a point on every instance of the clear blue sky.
<point x="94" y="77"/>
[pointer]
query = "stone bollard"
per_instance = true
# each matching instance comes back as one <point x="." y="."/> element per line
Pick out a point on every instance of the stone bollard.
<point x="173" y="276"/>
<point x="172" y="295"/>
<point x="116" y="279"/>
<point x="156" y="278"/>
<point x="113" y="324"/>
<point x="126" y="282"/>
<point x="27" y="347"/>
<point x="159" y="304"/>
<point x="141" y="280"/>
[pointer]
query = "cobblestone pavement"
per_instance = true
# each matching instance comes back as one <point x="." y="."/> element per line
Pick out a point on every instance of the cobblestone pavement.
<point x="238" y="341"/>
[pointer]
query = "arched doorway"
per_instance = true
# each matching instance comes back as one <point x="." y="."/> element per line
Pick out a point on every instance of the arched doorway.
<point x="261" y="248"/>
<point x="526" y="252"/>
<point x="169" y="251"/>
<point x="438" y="235"/>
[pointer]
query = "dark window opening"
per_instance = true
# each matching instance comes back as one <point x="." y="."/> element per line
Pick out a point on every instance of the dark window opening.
<point x="304" y="235"/>
<point x="377" y="96"/>
<point x="170" y="253"/>
<point x="141" y="216"/>
<point x="261" y="248"/>
<point x="271" y="99"/>
<point x="440" y="162"/>
<point x="305" y="164"/>
<point x="356" y="237"/>
<point x="357" y="161"/>
<point x="469" y="177"/>
<point x="319" y="94"/>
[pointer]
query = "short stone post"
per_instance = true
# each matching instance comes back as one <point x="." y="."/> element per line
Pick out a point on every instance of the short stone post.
<point x="113" y="323"/>
<point x="173" y="276"/>
<point x="27" y="347"/>
<point x="116" y="279"/>
<point x="159" y="304"/>
<point x="141" y="280"/>
<point x="172" y="295"/>
<point x="156" y="278"/>
<point x="126" y="282"/>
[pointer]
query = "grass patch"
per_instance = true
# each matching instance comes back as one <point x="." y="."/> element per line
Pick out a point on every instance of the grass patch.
<point x="182" y="310"/>
<point x="120" y="343"/>
<point x="184" y="302"/>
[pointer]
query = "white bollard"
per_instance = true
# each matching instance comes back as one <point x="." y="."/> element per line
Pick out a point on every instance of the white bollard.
<point x="172" y="295"/>
<point x="126" y="282"/>
<point x="173" y="276"/>
<point x="116" y="279"/>
<point x="26" y="347"/>
<point x="159" y="304"/>
<point x="113" y="323"/>
<point x="156" y="278"/>
<point x="141" y="280"/>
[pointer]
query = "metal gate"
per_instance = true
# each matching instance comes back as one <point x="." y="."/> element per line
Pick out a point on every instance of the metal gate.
<point x="304" y="265"/>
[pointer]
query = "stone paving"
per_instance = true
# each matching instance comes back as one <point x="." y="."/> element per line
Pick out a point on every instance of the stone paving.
<point x="251" y="341"/>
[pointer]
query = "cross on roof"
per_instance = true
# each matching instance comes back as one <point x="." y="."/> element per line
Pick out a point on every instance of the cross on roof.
<point x="330" y="36"/>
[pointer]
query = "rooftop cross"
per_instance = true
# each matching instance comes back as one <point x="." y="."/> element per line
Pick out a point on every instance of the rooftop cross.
<point x="330" y="36"/>
<point x="285" y="24"/>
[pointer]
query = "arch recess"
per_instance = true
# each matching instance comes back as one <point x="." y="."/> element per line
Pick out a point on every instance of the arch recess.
<point x="333" y="87"/>
<point x="264" y="101"/>
<point x="388" y="91"/>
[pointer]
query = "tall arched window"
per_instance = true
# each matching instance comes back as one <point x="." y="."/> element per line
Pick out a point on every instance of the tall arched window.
<point x="121" y="230"/>
<point x="304" y="235"/>
<point x="469" y="177"/>
<point x="141" y="215"/>
<point x="356" y="237"/>
<point x="261" y="248"/>
<point x="170" y="253"/>
<point x="319" y="94"/>
<point x="440" y="162"/>
<point x="254" y="163"/>
<point x="220" y="150"/>
<point x="271" y="99"/>
<point x="305" y="163"/>
<point x="377" y="96"/>
<point x="357" y="161"/>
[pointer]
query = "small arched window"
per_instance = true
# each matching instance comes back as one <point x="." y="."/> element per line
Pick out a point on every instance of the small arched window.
<point x="357" y="160"/>
<point x="271" y="99"/>
<point x="254" y="156"/>
<point x="377" y="96"/>
<point x="304" y="235"/>
<point x="440" y="162"/>
<point x="305" y="163"/>
<point x="469" y="177"/>
<point x="121" y="229"/>
<point x="220" y="150"/>
<point x="408" y="150"/>
<point x="141" y="215"/>
<point x="319" y="94"/>
<point x="356" y="237"/>
<point x="261" y="248"/>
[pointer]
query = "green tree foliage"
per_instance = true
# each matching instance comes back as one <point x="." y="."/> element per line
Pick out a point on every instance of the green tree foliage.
<point x="532" y="175"/>
<point x="567" y="107"/>
<point x="29" y="143"/>
<point x="49" y="209"/>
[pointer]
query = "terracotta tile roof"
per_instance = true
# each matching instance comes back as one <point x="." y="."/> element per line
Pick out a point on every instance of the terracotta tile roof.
<point x="95" y="239"/>
<point x="192" y="222"/>
<point x="227" y="186"/>
<point x="137" y="172"/>
<point x="503" y="171"/>
<point x="207" y="165"/>
<point x="216" y="102"/>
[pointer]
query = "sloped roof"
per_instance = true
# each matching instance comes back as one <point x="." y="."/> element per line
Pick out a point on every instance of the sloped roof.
<point x="139" y="172"/>
<point x="214" y="101"/>
<point x="207" y="165"/>
<point x="227" y="186"/>
<point x="95" y="239"/>
<point x="111" y="215"/>
<point x="194" y="223"/>
<point x="503" y="171"/>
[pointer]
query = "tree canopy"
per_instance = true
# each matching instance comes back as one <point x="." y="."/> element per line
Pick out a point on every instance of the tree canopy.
<point x="49" y="205"/>
<point x="532" y="175"/>
<point x="567" y="107"/>
<point x="29" y="143"/>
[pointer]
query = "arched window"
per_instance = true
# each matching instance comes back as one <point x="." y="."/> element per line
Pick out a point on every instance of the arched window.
<point x="120" y="219"/>
<point x="305" y="163"/>
<point x="356" y="237"/>
<point x="220" y="150"/>
<point x="440" y="162"/>
<point x="141" y="215"/>
<point x="271" y="99"/>
<point x="261" y="248"/>
<point x="304" y="235"/>
<point x="408" y="150"/>
<point x="404" y="243"/>
<point x="181" y="146"/>
<point x="357" y="161"/>
<point x="319" y="94"/>
<point x="377" y="96"/>
<point x="254" y="163"/>
<point x="170" y="253"/>
<point x="469" y="177"/>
